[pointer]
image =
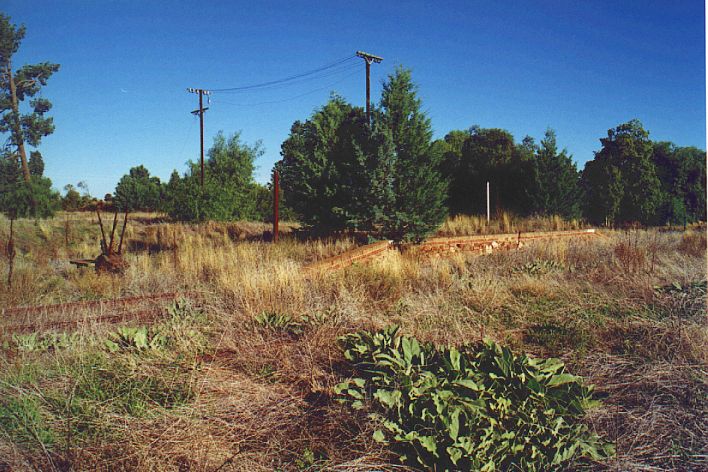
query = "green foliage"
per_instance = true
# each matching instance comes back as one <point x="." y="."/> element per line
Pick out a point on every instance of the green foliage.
<point x="22" y="419"/>
<point x="557" y="187"/>
<point x="339" y="172"/>
<point x="311" y="168"/>
<point x="138" y="191"/>
<point x="490" y="155"/>
<point x="621" y="184"/>
<point x="682" y="173"/>
<point x="24" y="193"/>
<point x="418" y="187"/>
<point x="283" y="322"/>
<point x="38" y="342"/>
<point x="538" y="267"/>
<point x="36" y="163"/>
<point x="476" y="408"/>
<point x="229" y="190"/>
<point x="137" y="338"/>
<point x="121" y="386"/>
<point x="19" y="199"/>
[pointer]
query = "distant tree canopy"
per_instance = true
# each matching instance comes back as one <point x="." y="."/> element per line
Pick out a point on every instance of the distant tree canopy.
<point x="524" y="178"/>
<point x="632" y="179"/>
<point x="137" y="190"/>
<point x="229" y="192"/>
<point x="73" y="200"/>
<point x="340" y="172"/>
<point x="24" y="192"/>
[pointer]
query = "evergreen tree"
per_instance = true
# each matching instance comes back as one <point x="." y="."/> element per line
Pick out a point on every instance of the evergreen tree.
<point x="557" y="189"/>
<point x="137" y="190"/>
<point x="36" y="163"/>
<point x="420" y="190"/>
<point x="27" y="193"/>
<point x="309" y="171"/>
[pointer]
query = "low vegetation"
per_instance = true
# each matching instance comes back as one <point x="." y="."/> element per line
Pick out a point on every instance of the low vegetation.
<point x="245" y="376"/>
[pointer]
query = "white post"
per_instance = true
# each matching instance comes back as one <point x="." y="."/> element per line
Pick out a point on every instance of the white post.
<point x="487" y="202"/>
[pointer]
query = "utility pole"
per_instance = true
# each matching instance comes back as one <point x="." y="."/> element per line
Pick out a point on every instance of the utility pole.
<point x="368" y="59"/>
<point x="200" y="112"/>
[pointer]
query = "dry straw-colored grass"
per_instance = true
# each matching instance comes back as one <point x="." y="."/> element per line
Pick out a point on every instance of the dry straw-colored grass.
<point x="261" y="394"/>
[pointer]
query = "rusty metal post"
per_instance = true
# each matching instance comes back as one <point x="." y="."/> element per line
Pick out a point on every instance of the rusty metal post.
<point x="122" y="233"/>
<point x="104" y="245"/>
<point x="276" y="197"/>
<point x="113" y="232"/>
<point x="11" y="252"/>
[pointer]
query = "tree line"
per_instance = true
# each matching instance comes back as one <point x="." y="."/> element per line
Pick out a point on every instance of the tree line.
<point x="385" y="175"/>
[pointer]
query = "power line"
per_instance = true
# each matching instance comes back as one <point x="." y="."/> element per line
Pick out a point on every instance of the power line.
<point x="291" y="78"/>
<point x="312" y="78"/>
<point x="219" y="101"/>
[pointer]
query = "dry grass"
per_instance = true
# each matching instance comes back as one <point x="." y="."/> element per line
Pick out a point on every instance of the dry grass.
<point x="625" y="309"/>
<point x="466" y="225"/>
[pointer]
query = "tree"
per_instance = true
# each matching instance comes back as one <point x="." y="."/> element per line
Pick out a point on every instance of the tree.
<point x="17" y="86"/>
<point x="137" y="190"/>
<point x="419" y="188"/>
<point x="557" y="187"/>
<point x="490" y="155"/>
<point x="24" y="191"/>
<point x="72" y="198"/>
<point x="36" y="163"/>
<point x="228" y="192"/>
<point x="681" y="171"/>
<point x="621" y="182"/>
<point x="308" y="168"/>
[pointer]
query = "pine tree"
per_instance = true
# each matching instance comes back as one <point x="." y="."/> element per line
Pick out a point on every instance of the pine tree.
<point x="557" y="190"/>
<point x="309" y="172"/>
<point x="30" y="195"/>
<point x="418" y="185"/>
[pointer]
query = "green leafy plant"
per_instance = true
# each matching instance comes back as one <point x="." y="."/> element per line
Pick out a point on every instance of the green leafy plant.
<point x="284" y="322"/>
<point x="138" y="338"/>
<point x="473" y="408"/>
<point x="36" y="342"/>
<point x="538" y="267"/>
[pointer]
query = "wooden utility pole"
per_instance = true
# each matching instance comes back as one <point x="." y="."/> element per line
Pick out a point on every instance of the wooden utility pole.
<point x="368" y="59"/>
<point x="200" y="112"/>
<point x="276" y="195"/>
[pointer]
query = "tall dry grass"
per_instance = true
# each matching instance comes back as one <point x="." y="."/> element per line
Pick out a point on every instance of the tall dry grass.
<point x="626" y="309"/>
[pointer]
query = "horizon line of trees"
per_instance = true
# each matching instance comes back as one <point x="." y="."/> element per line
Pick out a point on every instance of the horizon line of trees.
<point x="390" y="177"/>
<point x="385" y="175"/>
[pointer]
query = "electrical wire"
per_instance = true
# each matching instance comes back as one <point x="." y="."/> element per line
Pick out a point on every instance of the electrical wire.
<point x="218" y="101"/>
<point x="309" y="75"/>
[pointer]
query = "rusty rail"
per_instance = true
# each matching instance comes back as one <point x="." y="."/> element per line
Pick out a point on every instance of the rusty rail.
<point x="120" y="309"/>
<point x="483" y="244"/>
<point x="350" y="257"/>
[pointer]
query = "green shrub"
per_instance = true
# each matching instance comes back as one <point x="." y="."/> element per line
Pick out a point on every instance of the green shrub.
<point x="476" y="408"/>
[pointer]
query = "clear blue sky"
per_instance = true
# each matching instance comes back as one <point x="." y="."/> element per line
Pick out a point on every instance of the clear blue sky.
<point x="578" y="67"/>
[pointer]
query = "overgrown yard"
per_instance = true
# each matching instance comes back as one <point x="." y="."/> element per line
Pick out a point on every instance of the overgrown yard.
<point x="249" y="375"/>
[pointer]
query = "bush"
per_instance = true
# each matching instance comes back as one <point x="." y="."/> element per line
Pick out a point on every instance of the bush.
<point x="476" y="408"/>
